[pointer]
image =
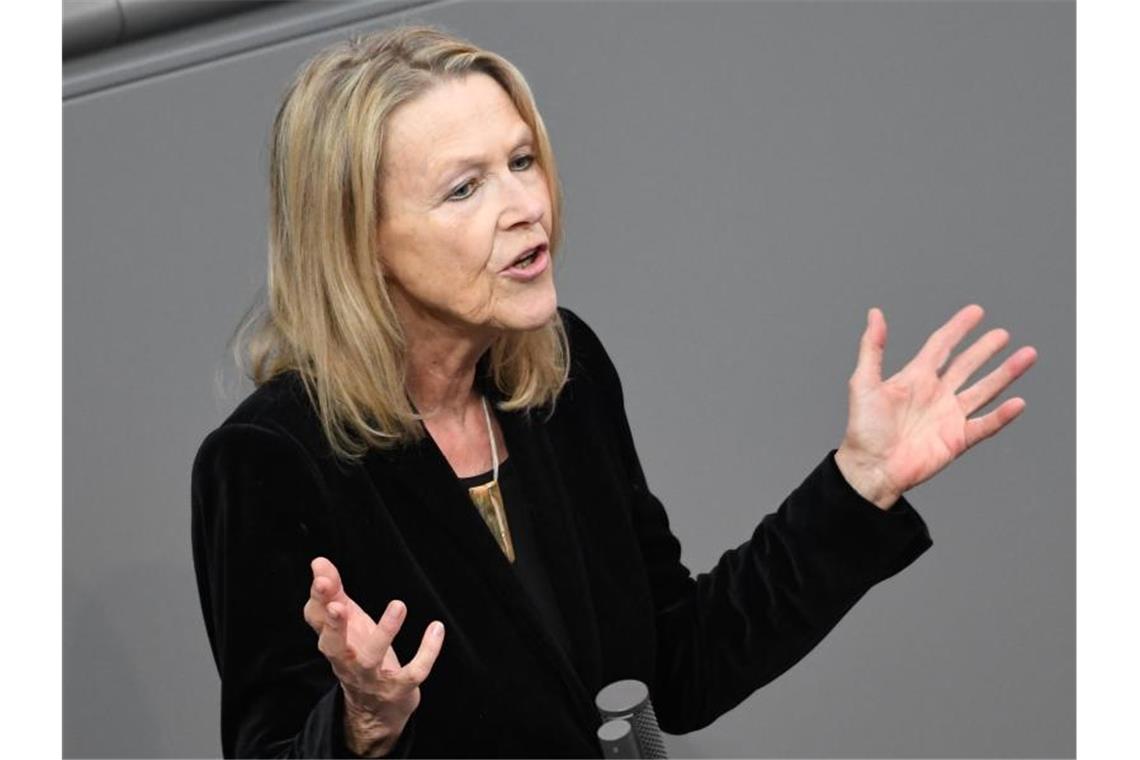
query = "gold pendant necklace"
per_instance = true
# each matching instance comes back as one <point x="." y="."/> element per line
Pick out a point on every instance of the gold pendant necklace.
<point x="488" y="498"/>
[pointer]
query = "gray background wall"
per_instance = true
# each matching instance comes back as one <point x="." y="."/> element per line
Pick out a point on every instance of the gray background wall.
<point x="743" y="180"/>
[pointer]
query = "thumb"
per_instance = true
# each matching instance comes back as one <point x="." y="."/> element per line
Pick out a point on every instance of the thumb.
<point x="869" y="370"/>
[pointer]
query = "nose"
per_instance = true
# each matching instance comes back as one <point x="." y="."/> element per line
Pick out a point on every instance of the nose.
<point x="525" y="201"/>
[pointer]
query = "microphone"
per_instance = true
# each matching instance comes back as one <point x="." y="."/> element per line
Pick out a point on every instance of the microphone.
<point x="629" y="728"/>
<point x="616" y="737"/>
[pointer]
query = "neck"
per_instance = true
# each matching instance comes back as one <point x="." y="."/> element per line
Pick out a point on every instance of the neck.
<point x="441" y="363"/>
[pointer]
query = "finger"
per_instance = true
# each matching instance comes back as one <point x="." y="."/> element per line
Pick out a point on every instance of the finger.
<point x="320" y="592"/>
<point x="967" y="362"/>
<point x="986" y="390"/>
<point x="869" y="370"/>
<point x="376" y="645"/>
<point x="982" y="428"/>
<point x="418" y="669"/>
<point x="333" y="641"/>
<point x="314" y="614"/>
<point x="326" y="586"/>
<point x="942" y="341"/>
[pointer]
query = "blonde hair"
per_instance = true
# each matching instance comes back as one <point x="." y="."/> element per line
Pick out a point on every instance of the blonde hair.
<point x="327" y="314"/>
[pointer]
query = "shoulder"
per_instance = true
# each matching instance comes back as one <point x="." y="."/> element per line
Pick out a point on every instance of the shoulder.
<point x="280" y="401"/>
<point x="277" y="415"/>
<point x="590" y="363"/>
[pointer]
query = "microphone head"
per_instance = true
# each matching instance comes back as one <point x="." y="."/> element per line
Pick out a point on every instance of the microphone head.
<point x="629" y="701"/>
<point x="621" y="698"/>
<point x="618" y="741"/>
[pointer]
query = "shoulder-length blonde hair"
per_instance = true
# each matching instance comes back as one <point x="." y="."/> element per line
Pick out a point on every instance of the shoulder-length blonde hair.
<point x="328" y="315"/>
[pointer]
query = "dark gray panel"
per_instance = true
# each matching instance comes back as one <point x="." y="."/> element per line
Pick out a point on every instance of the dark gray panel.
<point x="183" y="44"/>
<point x="90" y="25"/>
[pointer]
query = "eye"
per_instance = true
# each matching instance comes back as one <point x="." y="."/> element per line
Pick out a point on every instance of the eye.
<point x="468" y="188"/>
<point x="458" y="193"/>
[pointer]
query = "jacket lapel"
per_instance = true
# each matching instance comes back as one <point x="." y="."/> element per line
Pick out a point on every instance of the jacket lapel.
<point x="423" y="470"/>
<point x="558" y="536"/>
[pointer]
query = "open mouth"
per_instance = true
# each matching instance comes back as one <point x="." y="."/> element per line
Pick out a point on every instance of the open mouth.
<point x="528" y="258"/>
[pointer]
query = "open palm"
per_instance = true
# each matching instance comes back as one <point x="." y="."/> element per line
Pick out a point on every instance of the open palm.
<point x="906" y="429"/>
<point x="379" y="694"/>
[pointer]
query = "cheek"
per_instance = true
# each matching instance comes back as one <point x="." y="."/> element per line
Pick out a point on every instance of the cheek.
<point x="465" y="242"/>
<point x="452" y="267"/>
<point x="449" y="256"/>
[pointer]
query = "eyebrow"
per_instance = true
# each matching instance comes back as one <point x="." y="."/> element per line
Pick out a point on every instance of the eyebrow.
<point x="453" y="165"/>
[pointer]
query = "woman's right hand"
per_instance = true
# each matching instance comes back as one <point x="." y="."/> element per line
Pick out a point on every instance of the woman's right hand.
<point x="379" y="694"/>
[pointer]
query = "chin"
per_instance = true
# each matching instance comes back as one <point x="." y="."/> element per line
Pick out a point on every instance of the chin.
<point x="531" y="312"/>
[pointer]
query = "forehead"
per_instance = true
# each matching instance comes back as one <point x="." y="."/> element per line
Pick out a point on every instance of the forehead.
<point x="457" y="118"/>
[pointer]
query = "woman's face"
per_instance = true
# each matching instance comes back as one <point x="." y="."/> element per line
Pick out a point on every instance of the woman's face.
<point x="463" y="200"/>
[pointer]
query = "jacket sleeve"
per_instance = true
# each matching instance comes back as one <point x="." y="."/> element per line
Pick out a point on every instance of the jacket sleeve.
<point x="256" y="523"/>
<point x="769" y="601"/>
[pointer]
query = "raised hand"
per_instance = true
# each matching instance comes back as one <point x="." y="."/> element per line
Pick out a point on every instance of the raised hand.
<point x="379" y="694"/>
<point x="904" y="430"/>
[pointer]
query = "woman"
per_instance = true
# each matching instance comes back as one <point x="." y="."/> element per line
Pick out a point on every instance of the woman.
<point x="434" y="445"/>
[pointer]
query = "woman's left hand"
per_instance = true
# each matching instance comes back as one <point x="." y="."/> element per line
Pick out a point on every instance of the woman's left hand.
<point x="904" y="430"/>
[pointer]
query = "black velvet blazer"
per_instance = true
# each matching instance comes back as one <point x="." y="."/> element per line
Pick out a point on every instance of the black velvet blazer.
<point x="268" y="497"/>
